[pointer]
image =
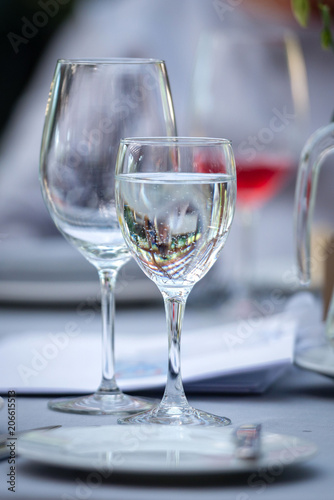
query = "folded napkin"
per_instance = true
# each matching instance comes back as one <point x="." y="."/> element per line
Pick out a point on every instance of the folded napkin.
<point x="246" y="356"/>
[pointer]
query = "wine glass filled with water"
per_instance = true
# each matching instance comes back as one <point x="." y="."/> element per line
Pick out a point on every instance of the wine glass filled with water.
<point x="175" y="217"/>
<point x="92" y="105"/>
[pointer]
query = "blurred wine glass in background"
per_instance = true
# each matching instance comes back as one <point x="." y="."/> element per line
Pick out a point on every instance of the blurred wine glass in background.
<point x="252" y="90"/>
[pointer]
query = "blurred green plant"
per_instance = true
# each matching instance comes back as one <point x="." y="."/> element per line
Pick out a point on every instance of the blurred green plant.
<point x="301" y="10"/>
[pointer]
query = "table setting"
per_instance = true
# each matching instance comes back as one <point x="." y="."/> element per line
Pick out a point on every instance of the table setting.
<point x="89" y="415"/>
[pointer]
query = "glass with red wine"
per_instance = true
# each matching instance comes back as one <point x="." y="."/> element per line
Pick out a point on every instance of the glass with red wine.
<point x="252" y="90"/>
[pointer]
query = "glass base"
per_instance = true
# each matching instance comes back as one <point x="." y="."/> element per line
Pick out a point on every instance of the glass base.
<point x="103" y="404"/>
<point x="176" y="416"/>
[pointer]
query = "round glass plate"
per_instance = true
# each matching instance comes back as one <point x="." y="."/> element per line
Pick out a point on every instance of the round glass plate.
<point x="319" y="359"/>
<point x="155" y="449"/>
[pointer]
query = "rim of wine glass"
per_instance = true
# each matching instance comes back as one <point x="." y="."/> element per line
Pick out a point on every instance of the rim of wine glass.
<point x="183" y="141"/>
<point x="112" y="60"/>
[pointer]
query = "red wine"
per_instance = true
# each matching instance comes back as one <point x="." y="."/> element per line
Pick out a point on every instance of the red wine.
<point x="257" y="180"/>
<point x="260" y="179"/>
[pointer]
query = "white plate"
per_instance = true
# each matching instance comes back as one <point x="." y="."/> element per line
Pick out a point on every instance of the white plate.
<point x="1" y="402"/>
<point x="319" y="359"/>
<point x="155" y="449"/>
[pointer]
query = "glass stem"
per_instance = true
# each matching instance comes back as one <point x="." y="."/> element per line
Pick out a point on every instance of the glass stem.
<point x="248" y="256"/>
<point x="174" y="395"/>
<point x="107" y="282"/>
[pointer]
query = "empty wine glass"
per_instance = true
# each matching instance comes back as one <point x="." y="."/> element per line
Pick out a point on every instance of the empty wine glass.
<point x="175" y="200"/>
<point x="92" y="104"/>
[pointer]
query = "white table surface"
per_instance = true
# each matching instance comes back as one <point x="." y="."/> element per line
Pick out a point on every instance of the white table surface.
<point x="300" y="404"/>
